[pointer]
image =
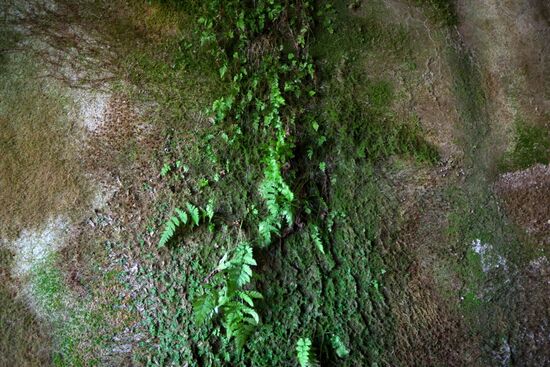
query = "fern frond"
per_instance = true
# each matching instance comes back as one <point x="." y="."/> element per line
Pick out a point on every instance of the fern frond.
<point x="316" y="237"/>
<point x="250" y="311"/>
<point x="231" y="301"/>
<point x="204" y="307"/>
<point x="194" y="213"/>
<point x="165" y="169"/>
<point x="181" y="215"/>
<point x="303" y="350"/>
<point x="245" y="254"/>
<point x="244" y="275"/>
<point x="209" y="210"/>
<point x="242" y="335"/>
<point x="168" y="232"/>
<point x="245" y="297"/>
<point x="266" y="228"/>
<point x="339" y="346"/>
<point x="254" y="294"/>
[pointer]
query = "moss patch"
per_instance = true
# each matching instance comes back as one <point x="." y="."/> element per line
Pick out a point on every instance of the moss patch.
<point x="531" y="146"/>
<point x="25" y="339"/>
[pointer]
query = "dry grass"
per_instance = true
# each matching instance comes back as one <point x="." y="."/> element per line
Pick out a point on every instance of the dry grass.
<point x="40" y="171"/>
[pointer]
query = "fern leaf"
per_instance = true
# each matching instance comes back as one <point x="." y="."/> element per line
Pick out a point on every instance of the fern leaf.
<point x="245" y="297"/>
<point x="339" y="346"/>
<point x="250" y="311"/>
<point x="209" y="210"/>
<point x="254" y="294"/>
<point x="266" y="228"/>
<point x="303" y="350"/>
<point x="316" y="237"/>
<point x="204" y="307"/>
<point x="288" y="215"/>
<point x="175" y="221"/>
<point x="181" y="215"/>
<point x="242" y="335"/>
<point x="244" y="275"/>
<point x="246" y="254"/>
<point x="168" y="232"/>
<point x="165" y="169"/>
<point x="194" y="213"/>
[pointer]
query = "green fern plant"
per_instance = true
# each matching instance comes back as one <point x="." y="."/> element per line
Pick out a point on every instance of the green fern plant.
<point x="181" y="217"/>
<point x="304" y="353"/>
<point x="171" y="225"/>
<point x="194" y="213"/>
<point x="278" y="198"/>
<point x="166" y="168"/>
<point x="316" y="237"/>
<point x="225" y="296"/>
<point x="208" y="211"/>
<point x="339" y="346"/>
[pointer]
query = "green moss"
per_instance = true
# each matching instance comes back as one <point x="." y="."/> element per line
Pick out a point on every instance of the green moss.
<point x="441" y="11"/>
<point x="358" y="116"/>
<point x="24" y="339"/>
<point x="48" y="286"/>
<point x="83" y="326"/>
<point x="159" y="57"/>
<point x="531" y="146"/>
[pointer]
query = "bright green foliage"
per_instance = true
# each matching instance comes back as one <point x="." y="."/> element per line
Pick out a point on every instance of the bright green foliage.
<point x="226" y="296"/>
<point x="169" y="229"/>
<point x="209" y="211"/>
<point x="194" y="213"/>
<point x="171" y="225"/>
<point x="277" y="197"/>
<point x="181" y="215"/>
<point x="263" y="86"/>
<point x="339" y="347"/>
<point x="316" y="237"/>
<point x="304" y="353"/>
<point x="181" y="218"/>
<point x="166" y="168"/>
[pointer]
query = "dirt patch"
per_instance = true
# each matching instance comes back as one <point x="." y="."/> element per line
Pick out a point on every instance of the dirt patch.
<point x="428" y="322"/>
<point x="530" y="345"/>
<point x="526" y="198"/>
<point x="121" y="139"/>
<point x="422" y="78"/>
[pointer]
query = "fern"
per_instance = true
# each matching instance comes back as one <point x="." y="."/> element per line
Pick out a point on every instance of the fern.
<point x="304" y="353"/>
<point x="175" y="221"/>
<point x="339" y="346"/>
<point x="194" y="213"/>
<point x="226" y="296"/>
<point x="278" y="198"/>
<point x="169" y="230"/>
<point x="166" y="168"/>
<point x="316" y="237"/>
<point x="181" y="215"/>
<point x="209" y="210"/>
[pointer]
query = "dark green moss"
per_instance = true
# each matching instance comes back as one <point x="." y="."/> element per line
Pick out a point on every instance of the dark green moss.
<point x="531" y="146"/>
<point x="441" y="11"/>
